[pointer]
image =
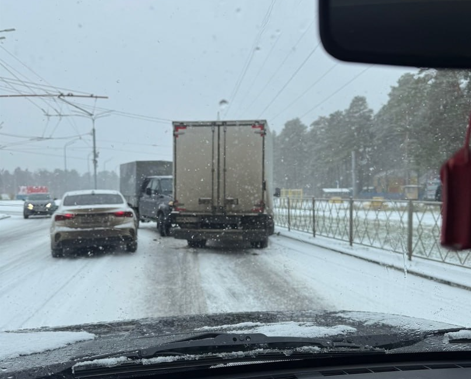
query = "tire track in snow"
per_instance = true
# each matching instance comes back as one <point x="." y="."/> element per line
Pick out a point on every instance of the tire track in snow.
<point x="240" y="280"/>
<point x="49" y="298"/>
<point x="172" y="277"/>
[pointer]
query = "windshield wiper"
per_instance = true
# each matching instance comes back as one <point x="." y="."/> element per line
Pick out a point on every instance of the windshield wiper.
<point x="214" y="343"/>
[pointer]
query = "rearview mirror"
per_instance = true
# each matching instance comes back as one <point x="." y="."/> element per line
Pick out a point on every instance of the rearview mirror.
<point x="420" y="33"/>
<point x="148" y="191"/>
<point x="277" y="192"/>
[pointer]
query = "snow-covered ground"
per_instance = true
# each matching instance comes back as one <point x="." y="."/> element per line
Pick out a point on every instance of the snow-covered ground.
<point x="165" y="277"/>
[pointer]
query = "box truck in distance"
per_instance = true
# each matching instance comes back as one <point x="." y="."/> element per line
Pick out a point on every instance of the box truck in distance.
<point x="222" y="182"/>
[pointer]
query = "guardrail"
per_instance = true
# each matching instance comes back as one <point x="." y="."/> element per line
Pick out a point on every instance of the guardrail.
<point x="404" y="227"/>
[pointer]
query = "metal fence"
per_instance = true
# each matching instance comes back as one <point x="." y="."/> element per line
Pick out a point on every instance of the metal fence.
<point x="404" y="227"/>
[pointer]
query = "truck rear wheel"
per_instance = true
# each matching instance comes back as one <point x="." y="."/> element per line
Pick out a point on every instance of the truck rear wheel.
<point x="131" y="247"/>
<point x="196" y="244"/>
<point x="262" y="244"/>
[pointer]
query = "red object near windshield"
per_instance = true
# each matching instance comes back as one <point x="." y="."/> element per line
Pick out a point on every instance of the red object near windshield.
<point x="456" y="196"/>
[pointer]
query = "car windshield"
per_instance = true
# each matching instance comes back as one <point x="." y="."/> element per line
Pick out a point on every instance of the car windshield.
<point x="39" y="197"/>
<point x="248" y="171"/>
<point x="92" y="199"/>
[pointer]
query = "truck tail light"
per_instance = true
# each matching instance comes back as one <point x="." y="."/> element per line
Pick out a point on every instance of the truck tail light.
<point x="178" y="207"/>
<point x="261" y="127"/>
<point x="259" y="207"/>
<point x="64" y="217"/>
<point x="123" y="214"/>
<point x="176" y="130"/>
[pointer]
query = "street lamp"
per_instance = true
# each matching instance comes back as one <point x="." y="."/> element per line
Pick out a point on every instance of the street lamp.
<point x="222" y="107"/>
<point x="65" y="151"/>
<point x="104" y="164"/>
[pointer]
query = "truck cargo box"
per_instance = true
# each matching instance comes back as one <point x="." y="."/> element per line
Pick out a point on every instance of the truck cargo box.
<point x="223" y="174"/>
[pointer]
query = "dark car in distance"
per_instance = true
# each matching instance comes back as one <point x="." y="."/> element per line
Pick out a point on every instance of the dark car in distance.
<point x="39" y="204"/>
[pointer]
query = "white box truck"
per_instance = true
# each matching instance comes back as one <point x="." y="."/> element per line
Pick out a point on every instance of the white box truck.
<point x="222" y="181"/>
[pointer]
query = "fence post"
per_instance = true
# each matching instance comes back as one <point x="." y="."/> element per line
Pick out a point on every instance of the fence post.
<point x="313" y="217"/>
<point x="289" y="215"/>
<point x="410" y="217"/>
<point x="351" y="221"/>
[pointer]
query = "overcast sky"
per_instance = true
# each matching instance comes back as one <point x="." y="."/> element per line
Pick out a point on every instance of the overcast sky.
<point x="168" y="60"/>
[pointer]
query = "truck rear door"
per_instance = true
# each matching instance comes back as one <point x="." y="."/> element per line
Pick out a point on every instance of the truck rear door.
<point x="195" y="170"/>
<point x="241" y="166"/>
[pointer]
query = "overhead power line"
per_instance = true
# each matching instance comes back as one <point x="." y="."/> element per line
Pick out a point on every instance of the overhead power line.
<point x="288" y="55"/>
<point x="44" y="87"/>
<point x="126" y="151"/>
<point x="249" y="59"/>
<point x="128" y="114"/>
<point x="289" y="80"/>
<point x="39" y="76"/>
<point x="43" y="138"/>
<point x="306" y="91"/>
<point x="37" y="153"/>
<point x="58" y="95"/>
<point x="259" y="72"/>
<point x="16" y="90"/>
<point x="337" y="91"/>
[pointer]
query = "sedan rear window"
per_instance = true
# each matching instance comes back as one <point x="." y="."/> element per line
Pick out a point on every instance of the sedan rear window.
<point x="93" y="199"/>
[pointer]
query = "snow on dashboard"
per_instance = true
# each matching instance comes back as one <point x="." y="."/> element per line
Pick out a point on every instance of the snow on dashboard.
<point x="16" y="344"/>
<point x="455" y="337"/>
<point x="285" y="329"/>
<point x="396" y="321"/>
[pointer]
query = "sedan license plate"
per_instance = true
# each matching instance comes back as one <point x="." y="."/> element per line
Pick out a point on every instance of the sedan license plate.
<point x="94" y="220"/>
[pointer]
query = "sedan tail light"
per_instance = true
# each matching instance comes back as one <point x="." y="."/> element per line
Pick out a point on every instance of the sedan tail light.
<point x="64" y="217"/>
<point x="123" y="214"/>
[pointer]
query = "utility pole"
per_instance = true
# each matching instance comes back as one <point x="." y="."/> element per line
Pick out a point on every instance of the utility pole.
<point x="354" y="178"/>
<point x="93" y="117"/>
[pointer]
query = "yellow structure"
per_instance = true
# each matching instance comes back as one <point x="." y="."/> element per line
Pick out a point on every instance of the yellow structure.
<point x="295" y="196"/>
<point x="292" y="193"/>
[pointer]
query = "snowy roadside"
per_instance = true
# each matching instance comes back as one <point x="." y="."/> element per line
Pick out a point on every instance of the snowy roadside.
<point x="441" y="272"/>
<point x="10" y="206"/>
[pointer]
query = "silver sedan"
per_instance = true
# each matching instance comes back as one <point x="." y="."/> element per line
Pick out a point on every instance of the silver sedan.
<point x="93" y="218"/>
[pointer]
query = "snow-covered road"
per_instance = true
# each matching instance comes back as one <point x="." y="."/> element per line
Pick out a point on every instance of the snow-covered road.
<point x="166" y="278"/>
